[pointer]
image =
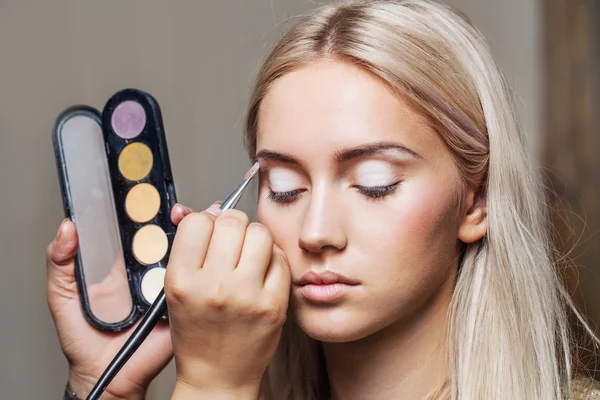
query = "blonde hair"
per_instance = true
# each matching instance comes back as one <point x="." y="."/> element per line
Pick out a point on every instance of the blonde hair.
<point x="508" y="335"/>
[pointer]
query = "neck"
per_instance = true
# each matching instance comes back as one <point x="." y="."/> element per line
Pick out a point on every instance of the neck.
<point x="405" y="360"/>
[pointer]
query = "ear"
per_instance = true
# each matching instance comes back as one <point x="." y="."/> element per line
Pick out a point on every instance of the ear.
<point x="474" y="226"/>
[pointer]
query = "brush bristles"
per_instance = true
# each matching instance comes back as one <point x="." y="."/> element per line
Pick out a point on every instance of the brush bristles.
<point x="252" y="171"/>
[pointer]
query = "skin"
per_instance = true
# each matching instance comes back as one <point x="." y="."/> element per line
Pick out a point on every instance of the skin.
<point x="228" y="281"/>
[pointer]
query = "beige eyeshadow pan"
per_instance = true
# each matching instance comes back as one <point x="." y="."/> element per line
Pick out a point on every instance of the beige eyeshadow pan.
<point x="142" y="202"/>
<point x="150" y="244"/>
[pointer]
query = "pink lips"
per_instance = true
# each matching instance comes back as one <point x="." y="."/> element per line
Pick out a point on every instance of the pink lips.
<point x="326" y="287"/>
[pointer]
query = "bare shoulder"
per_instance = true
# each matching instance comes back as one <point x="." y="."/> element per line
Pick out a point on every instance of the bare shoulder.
<point x="585" y="389"/>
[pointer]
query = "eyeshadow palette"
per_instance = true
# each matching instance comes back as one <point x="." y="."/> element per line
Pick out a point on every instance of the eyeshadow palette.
<point x="118" y="189"/>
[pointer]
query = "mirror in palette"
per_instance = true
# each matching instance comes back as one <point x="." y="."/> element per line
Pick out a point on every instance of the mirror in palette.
<point x="89" y="203"/>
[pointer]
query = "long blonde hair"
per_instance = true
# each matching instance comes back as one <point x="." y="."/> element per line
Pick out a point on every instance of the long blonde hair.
<point x="508" y="335"/>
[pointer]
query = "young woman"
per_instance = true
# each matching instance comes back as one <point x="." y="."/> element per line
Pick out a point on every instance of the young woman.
<point x="401" y="252"/>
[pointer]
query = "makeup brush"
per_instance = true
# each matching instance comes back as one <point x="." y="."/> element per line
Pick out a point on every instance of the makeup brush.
<point x="157" y="309"/>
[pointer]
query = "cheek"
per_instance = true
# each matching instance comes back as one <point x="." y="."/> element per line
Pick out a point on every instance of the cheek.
<point x="263" y="214"/>
<point x="427" y="212"/>
<point x="409" y="244"/>
<point x="411" y="236"/>
<point x="281" y="221"/>
<point x="420" y="217"/>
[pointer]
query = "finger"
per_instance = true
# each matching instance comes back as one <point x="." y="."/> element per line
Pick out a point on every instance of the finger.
<point x="60" y="265"/>
<point x="178" y="212"/>
<point x="226" y="242"/>
<point x="256" y="254"/>
<point x="189" y="247"/>
<point x="278" y="279"/>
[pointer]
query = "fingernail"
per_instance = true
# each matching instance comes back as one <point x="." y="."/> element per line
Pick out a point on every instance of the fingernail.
<point x="214" y="211"/>
<point x="178" y="208"/>
<point x="61" y="229"/>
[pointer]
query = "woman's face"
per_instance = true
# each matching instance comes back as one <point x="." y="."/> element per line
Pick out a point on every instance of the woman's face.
<point x="353" y="182"/>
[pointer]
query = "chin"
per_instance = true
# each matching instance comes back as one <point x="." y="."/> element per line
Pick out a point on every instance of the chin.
<point x="333" y="324"/>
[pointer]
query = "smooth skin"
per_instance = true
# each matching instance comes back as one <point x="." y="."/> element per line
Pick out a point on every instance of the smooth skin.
<point x="387" y="218"/>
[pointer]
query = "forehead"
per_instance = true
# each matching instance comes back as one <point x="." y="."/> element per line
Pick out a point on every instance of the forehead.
<point x="334" y="105"/>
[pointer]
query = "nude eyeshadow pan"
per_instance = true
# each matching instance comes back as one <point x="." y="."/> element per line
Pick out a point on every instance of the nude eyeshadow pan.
<point x="142" y="202"/>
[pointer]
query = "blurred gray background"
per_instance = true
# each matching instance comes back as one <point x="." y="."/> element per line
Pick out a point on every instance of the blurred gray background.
<point x="198" y="59"/>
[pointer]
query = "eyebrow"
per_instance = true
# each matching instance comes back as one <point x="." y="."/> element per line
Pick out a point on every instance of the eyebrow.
<point x="373" y="149"/>
<point x="342" y="155"/>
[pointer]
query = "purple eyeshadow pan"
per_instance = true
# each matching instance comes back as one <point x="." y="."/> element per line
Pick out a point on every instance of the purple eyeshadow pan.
<point x="128" y="119"/>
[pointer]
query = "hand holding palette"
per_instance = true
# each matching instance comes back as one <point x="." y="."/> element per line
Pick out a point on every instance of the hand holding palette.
<point x="118" y="189"/>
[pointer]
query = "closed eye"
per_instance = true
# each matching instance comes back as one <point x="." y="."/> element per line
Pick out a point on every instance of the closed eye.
<point x="377" y="192"/>
<point x="371" y="192"/>
<point x="285" y="197"/>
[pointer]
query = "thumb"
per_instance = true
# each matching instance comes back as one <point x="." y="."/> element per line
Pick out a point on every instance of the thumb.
<point x="60" y="265"/>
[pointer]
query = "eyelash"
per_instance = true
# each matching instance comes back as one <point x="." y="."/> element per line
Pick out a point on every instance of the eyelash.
<point x="371" y="193"/>
<point x="285" y="197"/>
<point x="377" y="192"/>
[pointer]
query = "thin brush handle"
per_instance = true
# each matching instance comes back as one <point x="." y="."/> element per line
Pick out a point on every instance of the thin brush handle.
<point x="153" y="315"/>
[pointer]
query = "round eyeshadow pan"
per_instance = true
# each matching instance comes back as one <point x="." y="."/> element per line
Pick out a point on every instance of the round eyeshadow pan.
<point x="129" y="119"/>
<point x="150" y="244"/>
<point x="135" y="161"/>
<point x="152" y="283"/>
<point x="142" y="202"/>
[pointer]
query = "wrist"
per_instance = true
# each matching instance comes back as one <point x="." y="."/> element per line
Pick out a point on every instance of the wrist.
<point x="82" y="385"/>
<point x="185" y="391"/>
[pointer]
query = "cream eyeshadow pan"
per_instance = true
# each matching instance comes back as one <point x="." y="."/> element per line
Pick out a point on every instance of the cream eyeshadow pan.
<point x="152" y="283"/>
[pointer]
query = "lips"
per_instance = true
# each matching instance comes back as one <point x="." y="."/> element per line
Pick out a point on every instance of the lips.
<point x="325" y="278"/>
<point x="326" y="287"/>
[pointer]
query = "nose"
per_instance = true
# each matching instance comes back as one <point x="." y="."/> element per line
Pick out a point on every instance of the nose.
<point x="323" y="226"/>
